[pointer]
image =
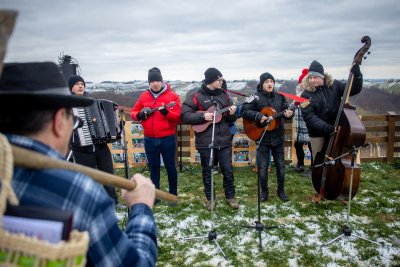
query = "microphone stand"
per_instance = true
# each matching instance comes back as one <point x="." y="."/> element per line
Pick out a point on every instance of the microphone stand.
<point x="212" y="234"/>
<point x="346" y="228"/>
<point x="259" y="227"/>
<point x="125" y="149"/>
<point x="70" y="156"/>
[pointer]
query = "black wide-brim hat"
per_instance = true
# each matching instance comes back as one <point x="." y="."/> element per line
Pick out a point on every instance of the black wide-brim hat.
<point x="36" y="86"/>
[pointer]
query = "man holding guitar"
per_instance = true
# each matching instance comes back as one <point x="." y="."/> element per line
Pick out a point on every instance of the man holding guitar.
<point x="158" y="109"/>
<point x="264" y="115"/>
<point x="211" y="96"/>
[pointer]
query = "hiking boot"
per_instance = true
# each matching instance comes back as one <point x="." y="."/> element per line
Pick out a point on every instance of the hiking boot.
<point x="233" y="203"/>
<point x="282" y="196"/>
<point x="264" y="196"/>
<point x="209" y="205"/>
<point x="316" y="198"/>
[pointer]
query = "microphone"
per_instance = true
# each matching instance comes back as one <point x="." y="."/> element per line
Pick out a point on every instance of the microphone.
<point x="330" y="162"/>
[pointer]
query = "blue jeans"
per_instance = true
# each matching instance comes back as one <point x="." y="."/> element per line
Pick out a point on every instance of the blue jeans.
<point x="224" y="156"/>
<point x="165" y="146"/>
<point x="263" y="155"/>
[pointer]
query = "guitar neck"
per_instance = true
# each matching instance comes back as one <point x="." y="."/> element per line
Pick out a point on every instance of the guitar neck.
<point x="277" y="115"/>
<point x="227" y="108"/>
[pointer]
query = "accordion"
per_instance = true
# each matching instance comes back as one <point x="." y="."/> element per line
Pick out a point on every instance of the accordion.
<point x="100" y="122"/>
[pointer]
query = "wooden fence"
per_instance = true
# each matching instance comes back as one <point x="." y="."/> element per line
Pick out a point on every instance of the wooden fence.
<point x="383" y="137"/>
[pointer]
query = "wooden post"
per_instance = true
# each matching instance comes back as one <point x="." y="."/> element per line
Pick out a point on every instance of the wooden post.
<point x="390" y="138"/>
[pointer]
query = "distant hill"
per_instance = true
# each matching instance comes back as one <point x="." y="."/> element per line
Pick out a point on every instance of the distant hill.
<point x="377" y="96"/>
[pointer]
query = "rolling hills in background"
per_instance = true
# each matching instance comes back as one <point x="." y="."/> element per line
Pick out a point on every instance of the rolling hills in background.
<point x="377" y="96"/>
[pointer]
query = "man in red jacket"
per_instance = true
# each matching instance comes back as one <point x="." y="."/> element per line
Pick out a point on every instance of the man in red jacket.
<point x="158" y="109"/>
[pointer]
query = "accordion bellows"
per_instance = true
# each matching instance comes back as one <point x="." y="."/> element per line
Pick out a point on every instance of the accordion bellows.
<point x="100" y="123"/>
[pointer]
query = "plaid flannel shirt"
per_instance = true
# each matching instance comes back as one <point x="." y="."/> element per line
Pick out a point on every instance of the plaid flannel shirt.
<point x="93" y="211"/>
<point x="301" y="133"/>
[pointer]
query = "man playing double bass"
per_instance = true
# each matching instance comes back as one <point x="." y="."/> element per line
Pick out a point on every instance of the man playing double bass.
<point x="325" y="95"/>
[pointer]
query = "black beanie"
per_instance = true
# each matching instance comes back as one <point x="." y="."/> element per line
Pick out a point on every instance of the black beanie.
<point x="73" y="80"/>
<point x="211" y="75"/>
<point x="316" y="69"/>
<point x="155" y="75"/>
<point x="265" y="76"/>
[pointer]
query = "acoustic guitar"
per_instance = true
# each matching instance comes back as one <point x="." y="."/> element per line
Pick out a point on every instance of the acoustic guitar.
<point x="254" y="132"/>
<point x="198" y="128"/>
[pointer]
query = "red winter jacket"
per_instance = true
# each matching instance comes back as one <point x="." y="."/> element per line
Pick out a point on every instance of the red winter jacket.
<point x="158" y="125"/>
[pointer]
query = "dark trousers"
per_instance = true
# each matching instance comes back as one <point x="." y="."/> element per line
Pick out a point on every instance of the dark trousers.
<point x="300" y="152"/>
<point x="97" y="156"/>
<point x="263" y="155"/>
<point x="216" y="158"/>
<point x="224" y="156"/>
<point x="166" y="147"/>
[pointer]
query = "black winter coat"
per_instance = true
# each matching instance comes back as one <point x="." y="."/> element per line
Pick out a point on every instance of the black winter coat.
<point x="205" y="98"/>
<point x="320" y="114"/>
<point x="251" y="111"/>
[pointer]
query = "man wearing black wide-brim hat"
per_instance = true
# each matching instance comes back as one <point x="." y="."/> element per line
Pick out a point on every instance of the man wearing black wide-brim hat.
<point x="36" y="114"/>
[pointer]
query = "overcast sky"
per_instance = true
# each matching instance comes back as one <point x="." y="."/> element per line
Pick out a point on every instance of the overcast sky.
<point x="121" y="40"/>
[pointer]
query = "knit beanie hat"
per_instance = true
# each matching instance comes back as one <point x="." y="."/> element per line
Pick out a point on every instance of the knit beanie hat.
<point x="303" y="74"/>
<point x="265" y="76"/>
<point x="316" y="69"/>
<point x="74" y="79"/>
<point x="155" y="75"/>
<point x="211" y="75"/>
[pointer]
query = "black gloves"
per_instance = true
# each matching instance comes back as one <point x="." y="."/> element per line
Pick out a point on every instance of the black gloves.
<point x="356" y="71"/>
<point x="164" y="111"/>
<point x="143" y="114"/>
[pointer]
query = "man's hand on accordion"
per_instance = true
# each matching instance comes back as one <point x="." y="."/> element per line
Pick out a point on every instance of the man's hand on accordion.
<point x="144" y="114"/>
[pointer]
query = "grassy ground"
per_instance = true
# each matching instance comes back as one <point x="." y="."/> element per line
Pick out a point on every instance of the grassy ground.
<point x="300" y="228"/>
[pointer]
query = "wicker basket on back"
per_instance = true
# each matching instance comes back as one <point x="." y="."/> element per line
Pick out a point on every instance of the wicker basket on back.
<point x="19" y="250"/>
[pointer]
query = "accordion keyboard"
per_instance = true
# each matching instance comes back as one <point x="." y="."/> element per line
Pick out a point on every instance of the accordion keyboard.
<point x="84" y="133"/>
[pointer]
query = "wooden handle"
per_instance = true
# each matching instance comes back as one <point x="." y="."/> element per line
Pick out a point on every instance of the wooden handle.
<point x="32" y="160"/>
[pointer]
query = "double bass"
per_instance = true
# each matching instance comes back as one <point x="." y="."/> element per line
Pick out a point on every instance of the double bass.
<point x="333" y="179"/>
